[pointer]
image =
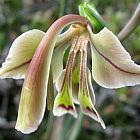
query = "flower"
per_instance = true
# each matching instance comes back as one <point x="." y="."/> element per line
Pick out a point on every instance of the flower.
<point x="38" y="57"/>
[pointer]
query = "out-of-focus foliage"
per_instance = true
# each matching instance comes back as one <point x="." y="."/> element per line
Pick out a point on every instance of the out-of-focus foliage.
<point x="120" y="108"/>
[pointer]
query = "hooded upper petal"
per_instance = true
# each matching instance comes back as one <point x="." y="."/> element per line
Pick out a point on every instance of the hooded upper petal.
<point x="20" y="54"/>
<point x="112" y="66"/>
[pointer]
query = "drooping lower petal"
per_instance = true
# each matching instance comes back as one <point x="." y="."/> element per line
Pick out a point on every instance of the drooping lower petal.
<point x="63" y="102"/>
<point x="84" y="95"/>
<point x="90" y="87"/>
<point x="20" y="54"/>
<point x="87" y="106"/>
<point x="112" y="66"/>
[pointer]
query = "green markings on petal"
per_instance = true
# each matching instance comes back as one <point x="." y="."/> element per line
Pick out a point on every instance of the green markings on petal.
<point x="84" y="95"/>
<point x="20" y="54"/>
<point x="63" y="102"/>
<point x="90" y="87"/>
<point x="87" y="106"/>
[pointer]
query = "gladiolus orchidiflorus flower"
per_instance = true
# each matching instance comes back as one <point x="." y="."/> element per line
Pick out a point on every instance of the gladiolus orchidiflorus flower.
<point x="38" y="57"/>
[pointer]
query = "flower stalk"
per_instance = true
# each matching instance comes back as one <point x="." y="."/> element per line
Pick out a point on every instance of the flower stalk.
<point x="132" y="24"/>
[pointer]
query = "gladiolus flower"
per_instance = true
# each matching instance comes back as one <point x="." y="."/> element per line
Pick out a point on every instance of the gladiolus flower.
<point x="38" y="57"/>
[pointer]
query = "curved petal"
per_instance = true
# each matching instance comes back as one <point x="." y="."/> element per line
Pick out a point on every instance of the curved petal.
<point x="86" y="104"/>
<point x="112" y="66"/>
<point x="20" y="54"/>
<point x="34" y="92"/>
<point x="63" y="102"/>
<point x="84" y="95"/>
<point x="90" y="87"/>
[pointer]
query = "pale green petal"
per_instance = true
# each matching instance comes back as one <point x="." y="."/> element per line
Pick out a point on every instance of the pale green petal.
<point x="59" y="81"/>
<point x="75" y="87"/>
<point x="84" y="92"/>
<point x="87" y="106"/>
<point x="112" y="66"/>
<point x="57" y="60"/>
<point x="90" y="87"/>
<point x="20" y="54"/>
<point x="63" y="102"/>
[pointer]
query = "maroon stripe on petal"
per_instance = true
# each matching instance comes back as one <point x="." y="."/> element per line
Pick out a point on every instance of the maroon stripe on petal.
<point x="112" y="62"/>
<point x="21" y="65"/>
<point x="90" y="110"/>
<point x="68" y="107"/>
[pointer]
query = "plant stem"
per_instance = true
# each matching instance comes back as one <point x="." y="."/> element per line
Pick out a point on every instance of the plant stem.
<point x="62" y="8"/>
<point x="57" y="128"/>
<point x="131" y="25"/>
<point x="49" y="127"/>
<point x="77" y="127"/>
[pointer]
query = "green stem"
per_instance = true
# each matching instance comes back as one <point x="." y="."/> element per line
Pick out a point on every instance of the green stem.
<point x="57" y="128"/>
<point x="88" y="10"/>
<point x="66" y="127"/>
<point x="131" y="25"/>
<point x="49" y="127"/>
<point x="62" y="8"/>
<point x="77" y="127"/>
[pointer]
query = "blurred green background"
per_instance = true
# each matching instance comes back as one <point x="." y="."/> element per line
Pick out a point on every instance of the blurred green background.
<point x="120" y="108"/>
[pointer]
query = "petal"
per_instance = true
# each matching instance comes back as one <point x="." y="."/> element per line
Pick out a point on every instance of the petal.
<point x="87" y="106"/>
<point x="63" y="102"/>
<point x="75" y="87"/>
<point x="20" y="54"/>
<point x="90" y="87"/>
<point x="76" y="80"/>
<point x="112" y="66"/>
<point x="57" y="60"/>
<point x="84" y="95"/>
<point x="34" y="92"/>
<point x="59" y="81"/>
